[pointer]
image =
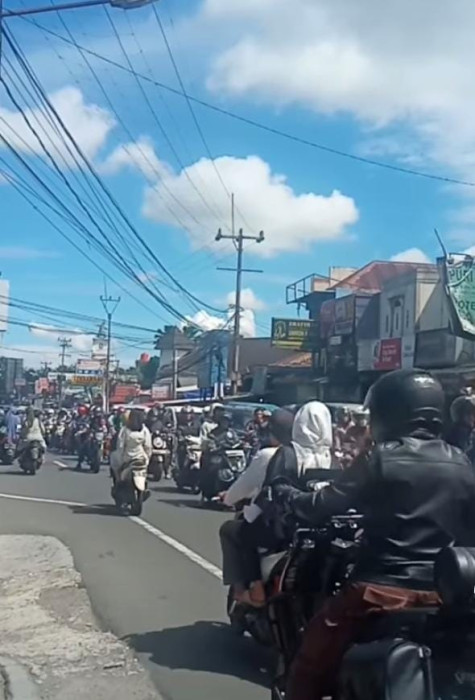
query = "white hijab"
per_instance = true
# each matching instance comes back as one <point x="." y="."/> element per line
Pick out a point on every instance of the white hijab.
<point x="312" y="437"/>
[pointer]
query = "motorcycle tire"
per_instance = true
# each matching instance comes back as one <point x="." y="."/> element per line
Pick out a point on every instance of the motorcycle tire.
<point x="95" y="463"/>
<point x="137" y="505"/>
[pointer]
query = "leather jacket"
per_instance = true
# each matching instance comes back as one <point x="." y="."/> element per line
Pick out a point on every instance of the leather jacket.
<point x="417" y="497"/>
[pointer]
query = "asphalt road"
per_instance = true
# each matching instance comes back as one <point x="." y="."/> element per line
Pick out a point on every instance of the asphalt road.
<point x="162" y="596"/>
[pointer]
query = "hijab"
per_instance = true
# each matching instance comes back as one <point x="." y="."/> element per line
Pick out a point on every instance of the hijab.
<point x="312" y="437"/>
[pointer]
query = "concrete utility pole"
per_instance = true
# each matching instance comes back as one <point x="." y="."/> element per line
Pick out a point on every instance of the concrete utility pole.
<point x="238" y="241"/>
<point x="64" y="344"/>
<point x="110" y="305"/>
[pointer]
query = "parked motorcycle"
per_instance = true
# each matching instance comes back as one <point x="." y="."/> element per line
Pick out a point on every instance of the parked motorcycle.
<point x="7" y="450"/>
<point x="226" y="464"/>
<point x="187" y="475"/>
<point x="131" y="492"/>
<point x="161" y="456"/>
<point x="31" y="457"/>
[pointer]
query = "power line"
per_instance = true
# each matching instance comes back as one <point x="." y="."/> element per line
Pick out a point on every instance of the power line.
<point x="111" y="199"/>
<point x="266" y="127"/>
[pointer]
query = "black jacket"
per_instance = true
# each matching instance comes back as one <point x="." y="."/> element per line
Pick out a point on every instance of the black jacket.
<point x="417" y="496"/>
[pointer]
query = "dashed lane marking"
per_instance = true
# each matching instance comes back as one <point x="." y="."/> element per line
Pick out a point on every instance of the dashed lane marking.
<point x="60" y="464"/>
<point x="151" y="529"/>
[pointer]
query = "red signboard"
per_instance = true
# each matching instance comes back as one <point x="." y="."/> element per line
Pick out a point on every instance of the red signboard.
<point x="387" y="354"/>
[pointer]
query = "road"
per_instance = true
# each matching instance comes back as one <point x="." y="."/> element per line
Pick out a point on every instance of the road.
<point x="153" y="581"/>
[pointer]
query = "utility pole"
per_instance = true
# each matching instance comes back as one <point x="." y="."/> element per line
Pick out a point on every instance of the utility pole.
<point x="110" y="305"/>
<point x="238" y="241"/>
<point x="64" y="344"/>
<point x="45" y="367"/>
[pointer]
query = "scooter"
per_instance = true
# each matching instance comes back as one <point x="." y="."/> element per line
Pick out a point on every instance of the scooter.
<point x="187" y="476"/>
<point x="226" y="464"/>
<point x="7" y="450"/>
<point x="31" y="457"/>
<point x="160" y="457"/>
<point x="131" y="492"/>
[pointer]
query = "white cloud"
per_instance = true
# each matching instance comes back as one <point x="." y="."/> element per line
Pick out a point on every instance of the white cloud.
<point x="139" y="155"/>
<point x="401" y="64"/>
<point x="88" y="123"/>
<point x="25" y="253"/>
<point x="291" y="222"/>
<point x="249" y="301"/>
<point x="207" y="322"/>
<point x="414" y="255"/>
<point x="81" y="342"/>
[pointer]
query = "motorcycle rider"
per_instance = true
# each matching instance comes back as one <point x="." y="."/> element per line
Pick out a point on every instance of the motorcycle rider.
<point x="81" y="430"/>
<point x="416" y="493"/>
<point x="241" y="539"/>
<point x="343" y="424"/>
<point x="461" y="432"/>
<point x="187" y="427"/>
<point x="209" y="424"/>
<point x="134" y="444"/>
<point x="157" y="420"/>
<point x="222" y="436"/>
<point x="32" y="430"/>
<point x="13" y="423"/>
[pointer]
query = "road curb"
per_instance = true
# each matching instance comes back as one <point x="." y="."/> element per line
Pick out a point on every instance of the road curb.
<point x="18" y="683"/>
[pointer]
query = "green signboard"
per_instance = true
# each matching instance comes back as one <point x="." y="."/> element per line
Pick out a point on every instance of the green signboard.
<point x="294" y="334"/>
<point x="459" y="275"/>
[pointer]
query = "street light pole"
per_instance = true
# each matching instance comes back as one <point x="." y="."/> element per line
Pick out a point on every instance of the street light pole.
<point x="120" y="4"/>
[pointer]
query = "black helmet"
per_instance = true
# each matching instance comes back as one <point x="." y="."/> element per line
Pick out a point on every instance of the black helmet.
<point x="462" y="407"/>
<point x="404" y="401"/>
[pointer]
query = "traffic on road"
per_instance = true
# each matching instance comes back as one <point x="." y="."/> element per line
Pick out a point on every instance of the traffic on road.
<point x="219" y="551"/>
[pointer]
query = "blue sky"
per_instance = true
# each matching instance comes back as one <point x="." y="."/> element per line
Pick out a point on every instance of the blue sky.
<point x="397" y="89"/>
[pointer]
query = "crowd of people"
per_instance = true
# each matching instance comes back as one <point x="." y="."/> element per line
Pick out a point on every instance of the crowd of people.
<point x="400" y="460"/>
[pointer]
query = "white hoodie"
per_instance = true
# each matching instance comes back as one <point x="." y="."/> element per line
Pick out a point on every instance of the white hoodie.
<point x="312" y="437"/>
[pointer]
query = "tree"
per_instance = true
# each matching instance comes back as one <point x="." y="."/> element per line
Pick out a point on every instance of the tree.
<point x="147" y="372"/>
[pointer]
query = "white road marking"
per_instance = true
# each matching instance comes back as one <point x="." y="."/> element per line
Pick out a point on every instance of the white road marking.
<point x="182" y="548"/>
<point x="35" y="499"/>
<point x="60" y="464"/>
<point x="159" y="534"/>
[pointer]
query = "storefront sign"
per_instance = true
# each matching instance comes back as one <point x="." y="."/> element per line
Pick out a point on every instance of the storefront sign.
<point x="459" y="273"/>
<point x="381" y="355"/>
<point x="293" y="334"/>
<point x="387" y="354"/>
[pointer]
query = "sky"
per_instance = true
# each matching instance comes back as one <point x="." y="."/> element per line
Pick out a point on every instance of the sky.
<point x="391" y="83"/>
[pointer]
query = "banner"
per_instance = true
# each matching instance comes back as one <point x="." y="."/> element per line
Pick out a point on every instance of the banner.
<point x="459" y="277"/>
<point x="294" y="334"/>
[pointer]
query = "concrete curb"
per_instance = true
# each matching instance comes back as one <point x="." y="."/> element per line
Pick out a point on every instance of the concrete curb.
<point x="18" y="683"/>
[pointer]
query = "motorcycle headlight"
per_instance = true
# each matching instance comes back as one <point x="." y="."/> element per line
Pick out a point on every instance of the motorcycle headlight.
<point x="158" y="443"/>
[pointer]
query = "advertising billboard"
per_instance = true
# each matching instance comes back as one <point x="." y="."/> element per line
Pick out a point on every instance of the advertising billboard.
<point x="459" y="277"/>
<point x="294" y="334"/>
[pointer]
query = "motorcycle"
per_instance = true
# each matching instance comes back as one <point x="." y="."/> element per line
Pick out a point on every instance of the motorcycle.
<point x="160" y="457"/>
<point x="7" y="450"/>
<point x="31" y="457"/>
<point x="188" y="474"/>
<point x="131" y="492"/>
<point x="226" y="464"/>
<point x="57" y="437"/>
<point x="95" y="450"/>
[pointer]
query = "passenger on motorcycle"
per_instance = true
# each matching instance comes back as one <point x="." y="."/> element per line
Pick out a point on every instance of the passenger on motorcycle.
<point x="209" y="424"/>
<point x="310" y="448"/>
<point x="416" y="493"/>
<point x="31" y="431"/>
<point x="343" y="424"/>
<point x="241" y="539"/>
<point x="134" y="444"/>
